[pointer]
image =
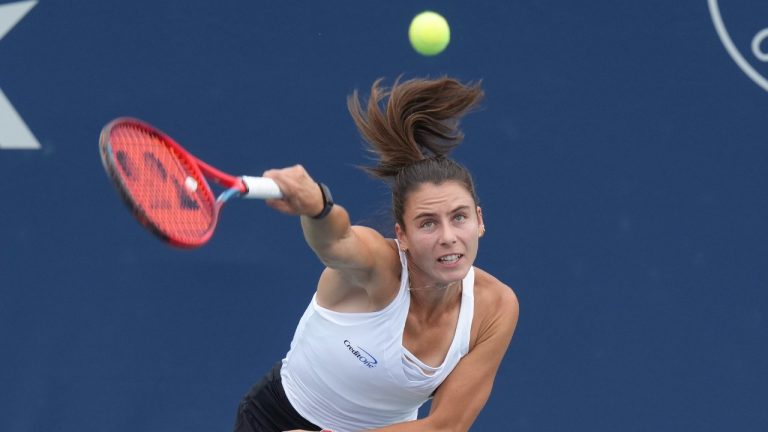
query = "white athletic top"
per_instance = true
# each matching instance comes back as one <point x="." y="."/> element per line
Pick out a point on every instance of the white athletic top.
<point x="350" y="371"/>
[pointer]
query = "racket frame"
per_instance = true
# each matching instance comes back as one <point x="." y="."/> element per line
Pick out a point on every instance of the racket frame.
<point x="242" y="186"/>
<point x="234" y="186"/>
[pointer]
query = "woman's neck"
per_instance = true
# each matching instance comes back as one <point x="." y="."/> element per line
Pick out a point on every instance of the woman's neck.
<point x="433" y="298"/>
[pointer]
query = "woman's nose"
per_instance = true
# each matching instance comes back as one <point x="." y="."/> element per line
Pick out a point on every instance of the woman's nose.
<point x="447" y="234"/>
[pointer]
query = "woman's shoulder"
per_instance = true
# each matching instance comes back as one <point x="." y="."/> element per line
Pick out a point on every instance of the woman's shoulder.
<point x="496" y="306"/>
<point x="491" y="291"/>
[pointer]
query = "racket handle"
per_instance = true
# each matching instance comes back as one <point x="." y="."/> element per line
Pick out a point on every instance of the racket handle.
<point x="261" y="188"/>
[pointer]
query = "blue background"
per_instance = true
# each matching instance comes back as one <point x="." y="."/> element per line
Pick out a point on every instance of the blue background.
<point x="620" y="158"/>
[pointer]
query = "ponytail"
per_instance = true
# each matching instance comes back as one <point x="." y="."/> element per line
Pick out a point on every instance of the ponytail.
<point x="411" y="129"/>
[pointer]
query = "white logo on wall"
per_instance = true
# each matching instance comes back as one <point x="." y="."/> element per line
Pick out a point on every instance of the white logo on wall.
<point x="754" y="46"/>
<point x="14" y="133"/>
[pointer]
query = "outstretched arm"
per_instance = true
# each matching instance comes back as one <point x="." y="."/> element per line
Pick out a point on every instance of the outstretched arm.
<point x="358" y="254"/>
<point x="332" y="237"/>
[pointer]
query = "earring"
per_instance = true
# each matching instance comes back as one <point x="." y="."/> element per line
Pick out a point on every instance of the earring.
<point x="482" y="230"/>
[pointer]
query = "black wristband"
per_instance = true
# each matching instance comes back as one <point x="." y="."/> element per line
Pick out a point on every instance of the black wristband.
<point x="327" y="201"/>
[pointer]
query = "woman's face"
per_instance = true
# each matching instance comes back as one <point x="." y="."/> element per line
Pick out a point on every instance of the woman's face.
<point x="441" y="232"/>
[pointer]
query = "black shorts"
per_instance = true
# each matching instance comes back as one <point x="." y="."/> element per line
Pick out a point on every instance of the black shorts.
<point x="266" y="408"/>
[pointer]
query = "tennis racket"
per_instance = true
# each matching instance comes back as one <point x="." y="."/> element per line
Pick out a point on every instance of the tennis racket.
<point x="165" y="186"/>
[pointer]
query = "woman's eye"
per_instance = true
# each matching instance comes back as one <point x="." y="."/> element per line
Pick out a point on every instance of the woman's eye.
<point x="428" y="224"/>
<point x="460" y="217"/>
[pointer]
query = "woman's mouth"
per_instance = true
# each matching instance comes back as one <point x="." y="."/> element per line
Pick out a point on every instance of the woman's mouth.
<point x="449" y="259"/>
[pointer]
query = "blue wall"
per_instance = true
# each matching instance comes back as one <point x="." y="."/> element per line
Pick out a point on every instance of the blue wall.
<point x="620" y="158"/>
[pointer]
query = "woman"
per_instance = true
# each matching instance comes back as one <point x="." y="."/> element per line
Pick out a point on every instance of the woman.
<point x="394" y="321"/>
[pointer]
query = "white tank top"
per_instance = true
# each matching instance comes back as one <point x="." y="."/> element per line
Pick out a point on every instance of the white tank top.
<point x="351" y="372"/>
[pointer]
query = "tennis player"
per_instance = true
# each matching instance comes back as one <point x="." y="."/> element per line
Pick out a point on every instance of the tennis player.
<point x="394" y="322"/>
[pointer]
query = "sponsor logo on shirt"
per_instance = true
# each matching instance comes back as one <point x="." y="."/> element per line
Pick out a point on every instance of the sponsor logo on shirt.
<point x="362" y="355"/>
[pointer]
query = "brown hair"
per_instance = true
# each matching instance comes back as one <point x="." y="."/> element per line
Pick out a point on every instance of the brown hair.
<point x="415" y="132"/>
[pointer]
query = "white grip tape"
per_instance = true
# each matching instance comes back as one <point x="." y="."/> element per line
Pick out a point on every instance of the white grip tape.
<point x="261" y="187"/>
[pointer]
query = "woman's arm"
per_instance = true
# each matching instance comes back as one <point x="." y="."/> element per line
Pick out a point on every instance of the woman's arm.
<point x="332" y="237"/>
<point x="358" y="253"/>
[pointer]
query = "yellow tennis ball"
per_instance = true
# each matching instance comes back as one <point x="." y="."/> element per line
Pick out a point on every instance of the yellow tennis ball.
<point x="429" y="33"/>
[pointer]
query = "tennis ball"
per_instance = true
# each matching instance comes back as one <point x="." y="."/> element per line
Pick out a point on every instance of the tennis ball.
<point x="429" y="33"/>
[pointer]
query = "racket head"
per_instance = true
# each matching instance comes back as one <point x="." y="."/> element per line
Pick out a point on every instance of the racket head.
<point x="160" y="181"/>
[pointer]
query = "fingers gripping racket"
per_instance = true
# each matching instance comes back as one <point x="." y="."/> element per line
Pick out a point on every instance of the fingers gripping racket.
<point x="165" y="186"/>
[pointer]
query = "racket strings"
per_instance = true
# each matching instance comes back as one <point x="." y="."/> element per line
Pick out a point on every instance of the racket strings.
<point x="164" y="184"/>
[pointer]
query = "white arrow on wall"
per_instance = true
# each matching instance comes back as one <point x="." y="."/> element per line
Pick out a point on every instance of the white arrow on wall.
<point x="14" y="133"/>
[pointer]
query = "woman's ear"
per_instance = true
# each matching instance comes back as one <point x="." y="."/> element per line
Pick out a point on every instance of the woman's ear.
<point x="481" y="224"/>
<point x="401" y="238"/>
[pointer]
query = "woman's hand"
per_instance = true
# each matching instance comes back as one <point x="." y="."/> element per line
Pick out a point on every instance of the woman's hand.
<point x="301" y="194"/>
